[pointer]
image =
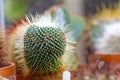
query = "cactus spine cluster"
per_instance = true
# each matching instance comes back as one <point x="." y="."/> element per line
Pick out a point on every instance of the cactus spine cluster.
<point x="38" y="46"/>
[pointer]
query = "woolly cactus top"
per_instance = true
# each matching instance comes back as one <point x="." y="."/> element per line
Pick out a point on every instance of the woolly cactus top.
<point x="110" y="40"/>
<point x="105" y="29"/>
<point x="105" y="14"/>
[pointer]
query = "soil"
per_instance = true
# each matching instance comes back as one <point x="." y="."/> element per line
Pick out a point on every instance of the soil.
<point x="4" y="64"/>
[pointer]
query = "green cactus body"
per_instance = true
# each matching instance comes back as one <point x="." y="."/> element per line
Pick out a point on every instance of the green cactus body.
<point x="42" y="43"/>
<point x="43" y="48"/>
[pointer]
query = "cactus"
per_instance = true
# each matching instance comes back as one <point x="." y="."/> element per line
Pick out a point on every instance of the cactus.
<point x="2" y="52"/>
<point x="109" y="41"/>
<point x="104" y="30"/>
<point x="77" y="27"/>
<point x="37" y="47"/>
<point x="15" y="48"/>
<point x="43" y="47"/>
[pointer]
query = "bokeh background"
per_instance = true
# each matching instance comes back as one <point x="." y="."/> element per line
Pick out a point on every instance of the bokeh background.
<point x="77" y="14"/>
<point x="15" y="9"/>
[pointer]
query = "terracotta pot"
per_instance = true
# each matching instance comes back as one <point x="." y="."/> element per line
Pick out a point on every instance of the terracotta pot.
<point x="109" y="57"/>
<point x="8" y="71"/>
<point x="92" y="58"/>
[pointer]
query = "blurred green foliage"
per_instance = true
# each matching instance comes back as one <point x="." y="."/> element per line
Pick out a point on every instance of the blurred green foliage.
<point x="14" y="9"/>
<point x="76" y="24"/>
<point x="97" y="31"/>
<point x="77" y="27"/>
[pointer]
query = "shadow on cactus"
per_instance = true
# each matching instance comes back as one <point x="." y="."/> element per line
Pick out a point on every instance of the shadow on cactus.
<point x="38" y="46"/>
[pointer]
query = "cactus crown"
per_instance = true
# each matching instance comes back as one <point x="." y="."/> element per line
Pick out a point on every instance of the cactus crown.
<point x="104" y="26"/>
<point x="109" y="41"/>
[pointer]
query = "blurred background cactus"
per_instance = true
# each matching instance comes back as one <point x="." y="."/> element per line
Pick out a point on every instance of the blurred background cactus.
<point x="108" y="42"/>
<point x="2" y="50"/>
<point x="101" y="27"/>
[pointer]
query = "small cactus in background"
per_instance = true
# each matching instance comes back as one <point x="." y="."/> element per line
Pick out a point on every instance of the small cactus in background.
<point x="37" y="47"/>
<point x="2" y="52"/>
<point x="105" y="28"/>
<point x="109" y="41"/>
<point x="77" y="26"/>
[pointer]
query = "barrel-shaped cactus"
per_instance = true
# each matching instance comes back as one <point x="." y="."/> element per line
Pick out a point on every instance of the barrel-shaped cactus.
<point x="43" y="48"/>
<point x="105" y="30"/>
<point x="109" y="41"/>
<point x="38" y="45"/>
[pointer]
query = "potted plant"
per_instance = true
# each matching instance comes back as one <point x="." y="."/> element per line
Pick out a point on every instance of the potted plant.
<point x="107" y="45"/>
<point x="37" y="47"/>
<point x="106" y="38"/>
<point x="7" y="69"/>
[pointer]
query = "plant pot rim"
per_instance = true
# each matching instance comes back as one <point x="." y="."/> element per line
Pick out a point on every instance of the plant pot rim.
<point x="106" y="53"/>
<point x="108" y="57"/>
<point x="8" y="71"/>
<point x="10" y="64"/>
